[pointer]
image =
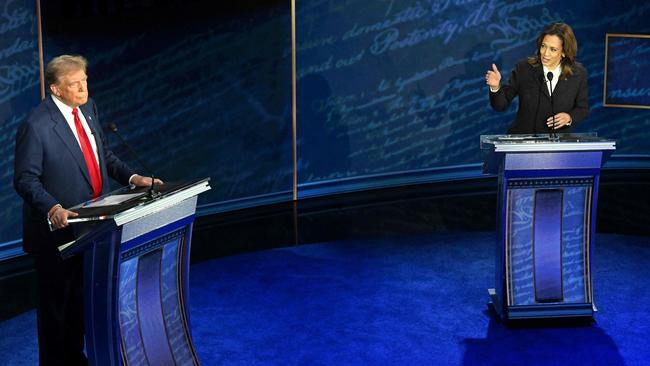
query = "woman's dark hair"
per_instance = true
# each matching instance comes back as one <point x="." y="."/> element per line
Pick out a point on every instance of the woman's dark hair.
<point x="569" y="47"/>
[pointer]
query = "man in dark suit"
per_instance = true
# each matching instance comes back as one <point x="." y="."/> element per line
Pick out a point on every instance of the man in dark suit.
<point x="556" y="52"/>
<point x="62" y="160"/>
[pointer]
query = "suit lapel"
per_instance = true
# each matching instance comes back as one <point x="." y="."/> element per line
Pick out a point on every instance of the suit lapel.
<point x="540" y="79"/>
<point x="559" y="87"/>
<point x="62" y="129"/>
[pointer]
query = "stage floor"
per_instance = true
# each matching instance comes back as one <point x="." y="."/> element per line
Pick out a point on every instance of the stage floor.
<point x="403" y="300"/>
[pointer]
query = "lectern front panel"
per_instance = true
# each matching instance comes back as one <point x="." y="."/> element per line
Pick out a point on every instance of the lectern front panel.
<point x="152" y="316"/>
<point x="565" y="253"/>
<point x="547" y="245"/>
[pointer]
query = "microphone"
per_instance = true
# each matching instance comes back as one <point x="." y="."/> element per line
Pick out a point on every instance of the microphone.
<point x="549" y="76"/>
<point x="152" y="193"/>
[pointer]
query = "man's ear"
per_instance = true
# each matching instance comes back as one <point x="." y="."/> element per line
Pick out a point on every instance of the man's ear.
<point x="55" y="90"/>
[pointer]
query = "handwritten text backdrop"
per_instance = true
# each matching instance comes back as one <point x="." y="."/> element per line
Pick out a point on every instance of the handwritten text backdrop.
<point x="19" y="93"/>
<point x="398" y="85"/>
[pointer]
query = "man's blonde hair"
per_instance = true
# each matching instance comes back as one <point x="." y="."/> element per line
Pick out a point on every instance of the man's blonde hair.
<point x="62" y="65"/>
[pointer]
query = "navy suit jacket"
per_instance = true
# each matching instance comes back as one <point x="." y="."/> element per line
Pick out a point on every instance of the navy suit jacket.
<point x="50" y="169"/>
<point x="570" y="95"/>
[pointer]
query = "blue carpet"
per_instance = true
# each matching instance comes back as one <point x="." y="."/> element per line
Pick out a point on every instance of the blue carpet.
<point x="401" y="301"/>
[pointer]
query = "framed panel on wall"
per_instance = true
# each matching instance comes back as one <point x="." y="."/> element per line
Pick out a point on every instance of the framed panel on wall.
<point x="626" y="84"/>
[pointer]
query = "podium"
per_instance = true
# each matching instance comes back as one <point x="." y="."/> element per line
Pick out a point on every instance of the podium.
<point x="136" y="263"/>
<point x="547" y="195"/>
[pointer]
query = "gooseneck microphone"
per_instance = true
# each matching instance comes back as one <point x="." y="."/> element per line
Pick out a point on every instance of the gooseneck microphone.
<point x="549" y="76"/>
<point x="152" y="193"/>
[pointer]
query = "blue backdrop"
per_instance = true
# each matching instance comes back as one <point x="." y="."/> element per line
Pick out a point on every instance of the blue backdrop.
<point x="390" y="86"/>
<point x="19" y="93"/>
<point x="383" y="86"/>
<point x="197" y="91"/>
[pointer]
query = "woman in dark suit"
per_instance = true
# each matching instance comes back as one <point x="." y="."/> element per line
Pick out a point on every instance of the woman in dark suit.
<point x="553" y="66"/>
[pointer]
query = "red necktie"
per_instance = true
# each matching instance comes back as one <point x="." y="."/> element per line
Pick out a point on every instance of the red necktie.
<point x="89" y="155"/>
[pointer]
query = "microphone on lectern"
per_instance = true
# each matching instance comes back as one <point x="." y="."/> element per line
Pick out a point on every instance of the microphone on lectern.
<point x="152" y="193"/>
<point x="549" y="76"/>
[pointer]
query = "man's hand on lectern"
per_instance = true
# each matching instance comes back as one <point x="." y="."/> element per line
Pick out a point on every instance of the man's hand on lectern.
<point x="58" y="216"/>
<point x="141" y="181"/>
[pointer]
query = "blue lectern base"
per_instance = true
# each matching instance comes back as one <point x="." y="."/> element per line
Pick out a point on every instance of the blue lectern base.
<point x="136" y="255"/>
<point x="539" y="311"/>
<point x="547" y="197"/>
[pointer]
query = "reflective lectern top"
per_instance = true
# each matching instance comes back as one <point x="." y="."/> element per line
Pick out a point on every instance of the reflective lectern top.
<point x="119" y="204"/>
<point x="546" y="142"/>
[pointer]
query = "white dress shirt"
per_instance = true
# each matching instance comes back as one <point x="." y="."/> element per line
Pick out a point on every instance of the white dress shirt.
<point x="556" y="76"/>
